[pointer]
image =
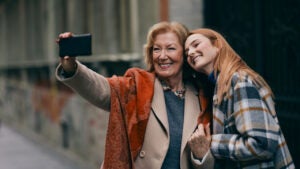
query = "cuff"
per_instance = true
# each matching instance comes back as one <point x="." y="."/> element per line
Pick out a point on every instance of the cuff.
<point x="199" y="161"/>
<point x="61" y="73"/>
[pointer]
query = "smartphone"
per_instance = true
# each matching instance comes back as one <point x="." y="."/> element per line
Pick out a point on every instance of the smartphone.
<point x="77" y="45"/>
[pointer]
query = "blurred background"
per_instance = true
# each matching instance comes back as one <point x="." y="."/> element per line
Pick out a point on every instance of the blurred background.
<point x="265" y="33"/>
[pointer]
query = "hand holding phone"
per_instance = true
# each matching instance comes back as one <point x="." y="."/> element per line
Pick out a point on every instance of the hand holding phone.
<point x="76" y="45"/>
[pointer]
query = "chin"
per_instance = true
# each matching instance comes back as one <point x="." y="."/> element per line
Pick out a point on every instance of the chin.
<point x="199" y="67"/>
<point x="163" y="75"/>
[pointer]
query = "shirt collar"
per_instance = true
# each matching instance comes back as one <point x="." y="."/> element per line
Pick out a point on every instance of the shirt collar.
<point x="211" y="77"/>
<point x="178" y="93"/>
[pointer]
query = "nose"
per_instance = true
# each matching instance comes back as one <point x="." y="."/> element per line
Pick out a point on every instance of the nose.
<point x="191" y="52"/>
<point x="163" y="54"/>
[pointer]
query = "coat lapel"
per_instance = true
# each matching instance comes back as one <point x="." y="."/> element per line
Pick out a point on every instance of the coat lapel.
<point x="159" y="106"/>
<point x="191" y="113"/>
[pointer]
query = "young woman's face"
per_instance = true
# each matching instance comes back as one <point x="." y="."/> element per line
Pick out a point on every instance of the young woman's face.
<point x="201" y="54"/>
<point x="167" y="56"/>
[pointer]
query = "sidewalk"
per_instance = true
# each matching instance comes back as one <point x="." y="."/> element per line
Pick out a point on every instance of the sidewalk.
<point x="19" y="152"/>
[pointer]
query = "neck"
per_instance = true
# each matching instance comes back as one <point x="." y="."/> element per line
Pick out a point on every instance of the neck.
<point x="207" y="70"/>
<point x="175" y="85"/>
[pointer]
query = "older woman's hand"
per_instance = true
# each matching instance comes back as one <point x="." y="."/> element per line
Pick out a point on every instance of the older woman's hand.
<point x="200" y="141"/>
<point x="68" y="63"/>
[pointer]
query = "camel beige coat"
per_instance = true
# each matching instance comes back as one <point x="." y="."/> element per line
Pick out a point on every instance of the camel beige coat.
<point x="156" y="141"/>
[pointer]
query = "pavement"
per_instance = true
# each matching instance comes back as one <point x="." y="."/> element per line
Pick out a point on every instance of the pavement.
<point x="20" y="152"/>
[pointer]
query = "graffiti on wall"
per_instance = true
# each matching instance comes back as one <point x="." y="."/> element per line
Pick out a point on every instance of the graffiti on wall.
<point x="55" y="112"/>
<point x="50" y="100"/>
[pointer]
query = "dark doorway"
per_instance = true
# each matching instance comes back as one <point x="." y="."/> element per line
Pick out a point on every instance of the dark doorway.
<point x="266" y="35"/>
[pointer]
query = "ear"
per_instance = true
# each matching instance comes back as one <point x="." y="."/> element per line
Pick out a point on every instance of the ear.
<point x="217" y="49"/>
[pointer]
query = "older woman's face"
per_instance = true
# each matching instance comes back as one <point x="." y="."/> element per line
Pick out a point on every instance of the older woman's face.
<point x="167" y="56"/>
<point x="200" y="53"/>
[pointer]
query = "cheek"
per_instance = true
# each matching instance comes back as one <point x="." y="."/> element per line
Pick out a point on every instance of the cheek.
<point x="213" y="53"/>
<point x="189" y="59"/>
<point x="179" y="55"/>
<point x="205" y="47"/>
<point x="181" y="59"/>
<point x="154" y="58"/>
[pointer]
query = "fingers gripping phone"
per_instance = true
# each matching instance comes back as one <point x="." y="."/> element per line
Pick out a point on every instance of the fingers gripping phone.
<point x="77" y="45"/>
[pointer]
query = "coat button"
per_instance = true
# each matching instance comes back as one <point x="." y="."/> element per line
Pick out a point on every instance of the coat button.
<point x="142" y="154"/>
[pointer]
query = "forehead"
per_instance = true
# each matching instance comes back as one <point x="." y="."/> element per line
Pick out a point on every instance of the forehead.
<point x="167" y="36"/>
<point x="194" y="37"/>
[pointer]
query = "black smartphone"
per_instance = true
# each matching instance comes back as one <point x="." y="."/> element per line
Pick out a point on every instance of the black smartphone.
<point x="77" y="45"/>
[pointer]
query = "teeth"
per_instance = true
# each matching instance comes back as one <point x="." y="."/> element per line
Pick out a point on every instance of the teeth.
<point x="162" y="64"/>
<point x="195" y="58"/>
<point x="165" y="65"/>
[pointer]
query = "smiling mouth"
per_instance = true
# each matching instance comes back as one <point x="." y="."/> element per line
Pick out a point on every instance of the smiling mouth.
<point x="195" y="58"/>
<point x="165" y="65"/>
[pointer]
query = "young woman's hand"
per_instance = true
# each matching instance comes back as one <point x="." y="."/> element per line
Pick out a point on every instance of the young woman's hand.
<point x="200" y="141"/>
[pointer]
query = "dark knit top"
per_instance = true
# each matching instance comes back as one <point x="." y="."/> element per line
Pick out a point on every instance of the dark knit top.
<point x="175" y="111"/>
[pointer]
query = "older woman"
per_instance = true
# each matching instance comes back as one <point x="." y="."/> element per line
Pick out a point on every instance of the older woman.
<point x="152" y="113"/>
<point x="246" y="131"/>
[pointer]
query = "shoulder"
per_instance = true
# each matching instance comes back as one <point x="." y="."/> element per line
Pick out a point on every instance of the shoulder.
<point x="134" y="74"/>
<point x="243" y="86"/>
<point x="244" y="83"/>
<point x="138" y="72"/>
<point x="137" y="69"/>
<point x="140" y="78"/>
<point x="241" y="78"/>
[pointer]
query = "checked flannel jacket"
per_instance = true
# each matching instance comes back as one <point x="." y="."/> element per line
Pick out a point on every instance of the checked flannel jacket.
<point x="246" y="130"/>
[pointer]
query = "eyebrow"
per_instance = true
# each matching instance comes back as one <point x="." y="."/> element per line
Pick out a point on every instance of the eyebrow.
<point x="169" y="44"/>
<point x="187" y="49"/>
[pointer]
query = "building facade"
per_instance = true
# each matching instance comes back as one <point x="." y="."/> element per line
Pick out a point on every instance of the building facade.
<point x="264" y="33"/>
<point x="33" y="100"/>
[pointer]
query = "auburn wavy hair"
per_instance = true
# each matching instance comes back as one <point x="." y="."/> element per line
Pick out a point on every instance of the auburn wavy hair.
<point x="227" y="63"/>
<point x="162" y="27"/>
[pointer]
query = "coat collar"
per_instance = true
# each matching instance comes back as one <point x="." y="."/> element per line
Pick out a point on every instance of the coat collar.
<point x="159" y="105"/>
<point x="191" y="114"/>
<point x="191" y="111"/>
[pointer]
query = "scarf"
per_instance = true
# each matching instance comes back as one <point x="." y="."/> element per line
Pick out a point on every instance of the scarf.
<point x="131" y="97"/>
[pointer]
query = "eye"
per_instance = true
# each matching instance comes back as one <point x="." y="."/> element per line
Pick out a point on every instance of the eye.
<point x="171" y="48"/>
<point x="195" y="44"/>
<point x="156" y="49"/>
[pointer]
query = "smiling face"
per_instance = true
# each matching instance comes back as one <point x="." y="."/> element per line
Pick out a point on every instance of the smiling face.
<point x="168" y="56"/>
<point x="201" y="54"/>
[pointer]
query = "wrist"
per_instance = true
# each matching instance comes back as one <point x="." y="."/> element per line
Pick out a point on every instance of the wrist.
<point x="70" y="71"/>
<point x="71" y="68"/>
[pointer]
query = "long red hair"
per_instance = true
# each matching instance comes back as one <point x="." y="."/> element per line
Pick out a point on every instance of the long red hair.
<point x="227" y="63"/>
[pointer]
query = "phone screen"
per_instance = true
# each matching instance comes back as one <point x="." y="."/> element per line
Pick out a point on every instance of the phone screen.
<point x="77" y="45"/>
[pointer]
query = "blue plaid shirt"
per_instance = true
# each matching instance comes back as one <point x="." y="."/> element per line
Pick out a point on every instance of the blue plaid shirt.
<point x="246" y="131"/>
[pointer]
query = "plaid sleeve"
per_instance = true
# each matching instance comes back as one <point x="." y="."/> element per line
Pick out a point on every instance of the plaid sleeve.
<point x="253" y="132"/>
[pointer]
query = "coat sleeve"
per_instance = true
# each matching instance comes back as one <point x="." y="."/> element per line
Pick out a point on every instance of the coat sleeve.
<point x="206" y="162"/>
<point x="90" y="85"/>
<point x="253" y="131"/>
